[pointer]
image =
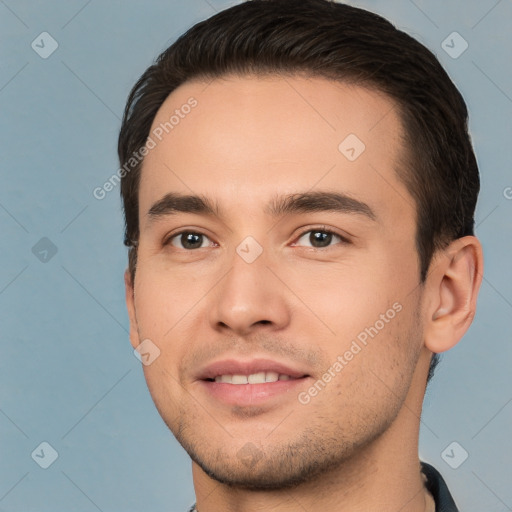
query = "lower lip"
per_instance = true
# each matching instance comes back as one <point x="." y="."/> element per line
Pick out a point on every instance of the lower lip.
<point x="252" y="394"/>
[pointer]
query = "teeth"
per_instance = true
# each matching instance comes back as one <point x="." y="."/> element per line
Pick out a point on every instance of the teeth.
<point x="271" y="377"/>
<point x="254" y="378"/>
<point x="239" y="379"/>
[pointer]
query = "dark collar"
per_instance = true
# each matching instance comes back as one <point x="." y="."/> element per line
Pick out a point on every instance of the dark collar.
<point x="437" y="487"/>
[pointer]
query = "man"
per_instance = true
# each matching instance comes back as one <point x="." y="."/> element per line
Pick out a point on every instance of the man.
<point x="299" y="189"/>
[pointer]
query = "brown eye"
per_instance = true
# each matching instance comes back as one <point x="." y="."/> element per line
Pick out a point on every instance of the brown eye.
<point x="189" y="240"/>
<point x="319" y="238"/>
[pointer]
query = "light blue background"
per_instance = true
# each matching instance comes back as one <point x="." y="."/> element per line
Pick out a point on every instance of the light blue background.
<point x="68" y="374"/>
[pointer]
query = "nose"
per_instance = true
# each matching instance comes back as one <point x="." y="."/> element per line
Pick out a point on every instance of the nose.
<point x="248" y="298"/>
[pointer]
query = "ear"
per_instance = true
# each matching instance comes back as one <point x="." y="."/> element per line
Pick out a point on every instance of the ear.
<point x="452" y="288"/>
<point x="130" y="305"/>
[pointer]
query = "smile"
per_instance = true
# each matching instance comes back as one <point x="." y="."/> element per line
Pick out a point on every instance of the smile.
<point x="253" y="378"/>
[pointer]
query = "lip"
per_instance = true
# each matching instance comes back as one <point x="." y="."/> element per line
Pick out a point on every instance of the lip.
<point x="244" y="395"/>
<point x="237" y="367"/>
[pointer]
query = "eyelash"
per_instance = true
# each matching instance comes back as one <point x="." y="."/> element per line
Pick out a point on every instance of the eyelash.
<point x="343" y="240"/>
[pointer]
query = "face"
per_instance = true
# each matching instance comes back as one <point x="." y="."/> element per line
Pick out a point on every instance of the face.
<point x="295" y="261"/>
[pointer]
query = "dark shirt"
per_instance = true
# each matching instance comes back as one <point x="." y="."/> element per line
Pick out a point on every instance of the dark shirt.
<point x="437" y="487"/>
<point x="434" y="484"/>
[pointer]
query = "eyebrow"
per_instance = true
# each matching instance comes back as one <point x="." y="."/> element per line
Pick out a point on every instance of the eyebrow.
<point x="308" y="202"/>
<point x="305" y="202"/>
<point x="174" y="202"/>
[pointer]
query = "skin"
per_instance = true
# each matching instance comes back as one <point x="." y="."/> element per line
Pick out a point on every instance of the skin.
<point x="354" y="446"/>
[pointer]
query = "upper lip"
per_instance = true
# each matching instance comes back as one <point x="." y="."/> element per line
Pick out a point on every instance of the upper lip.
<point x="238" y="367"/>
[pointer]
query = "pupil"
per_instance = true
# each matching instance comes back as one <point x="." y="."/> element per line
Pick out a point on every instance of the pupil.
<point x="320" y="239"/>
<point x="191" y="240"/>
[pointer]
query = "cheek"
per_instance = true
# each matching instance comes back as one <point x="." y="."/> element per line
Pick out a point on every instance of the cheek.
<point x="377" y="366"/>
<point x="165" y="393"/>
<point x="347" y="298"/>
<point x="370" y="312"/>
<point x="161" y="309"/>
<point x="164" y="299"/>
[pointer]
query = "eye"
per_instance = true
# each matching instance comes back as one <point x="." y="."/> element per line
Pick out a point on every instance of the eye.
<point x="189" y="240"/>
<point x="320" y="238"/>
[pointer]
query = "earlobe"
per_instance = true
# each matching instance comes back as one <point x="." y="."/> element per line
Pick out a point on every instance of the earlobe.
<point x="130" y="305"/>
<point x="453" y="289"/>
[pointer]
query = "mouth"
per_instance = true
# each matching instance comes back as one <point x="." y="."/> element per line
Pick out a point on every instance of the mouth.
<point x="251" y="382"/>
<point x="253" y="378"/>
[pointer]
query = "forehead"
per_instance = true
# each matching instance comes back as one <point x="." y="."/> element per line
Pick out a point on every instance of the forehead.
<point x="242" y="139"/>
